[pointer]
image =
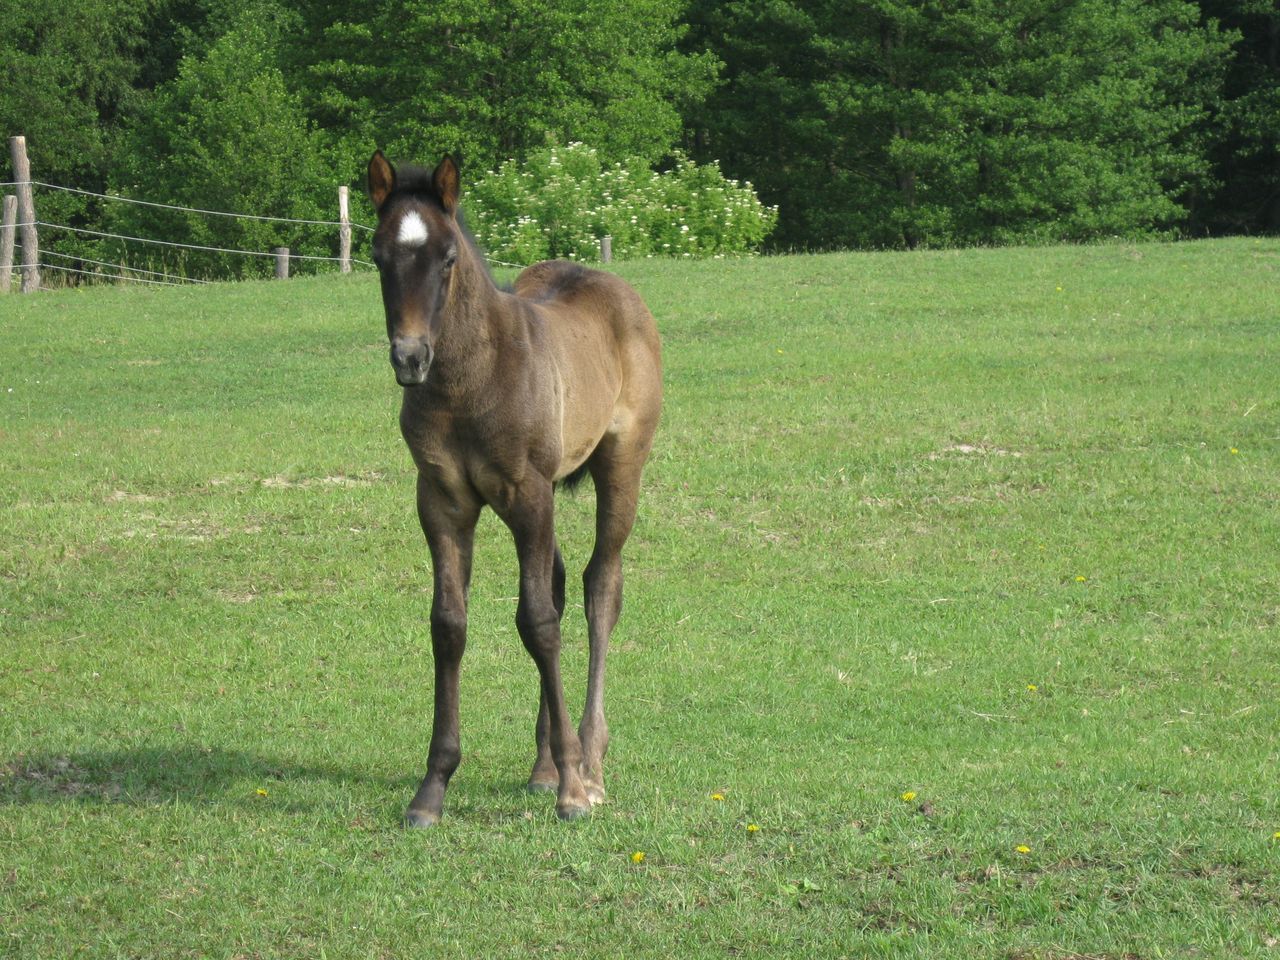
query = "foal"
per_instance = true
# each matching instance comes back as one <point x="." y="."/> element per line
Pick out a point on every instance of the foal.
<point x="505" y="395"/>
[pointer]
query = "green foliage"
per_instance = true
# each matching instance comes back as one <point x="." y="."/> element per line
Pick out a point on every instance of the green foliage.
<point x="562" y="200"/>
<point x="226" y="134"/>
<point x="904" y="123"/>
<point x="1246" y="153"/>
<point x="67" y="69"/>
<point x="881" y="123"/>
<point x="493" y="80"/>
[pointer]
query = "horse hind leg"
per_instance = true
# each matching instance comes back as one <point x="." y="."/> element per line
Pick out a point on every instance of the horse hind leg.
<point x="617" y="482"/>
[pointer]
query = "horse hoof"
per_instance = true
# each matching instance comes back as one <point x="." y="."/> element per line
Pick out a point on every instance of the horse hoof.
<point x="595" y="793"/>
<point x="542" y="786"/>
<point x="420" y="819"/>
<point x="569" y="813"/>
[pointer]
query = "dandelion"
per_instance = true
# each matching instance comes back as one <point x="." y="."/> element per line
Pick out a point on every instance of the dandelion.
<point x="717" y="796"/>
<point x="1032" y="688"/>
<point x="261" y="792"/>
<point x="1023" y="849"/>
<point x="1081" y="579"/>
<point x="1234" y="450"/>
<point x="1276" y="835"/>
<point x="909" y="796"/>
<point x="753" y="828"/>
<point x="637" y="857"/>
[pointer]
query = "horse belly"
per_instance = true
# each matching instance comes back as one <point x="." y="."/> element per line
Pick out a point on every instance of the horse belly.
<point x="590" y="410"/>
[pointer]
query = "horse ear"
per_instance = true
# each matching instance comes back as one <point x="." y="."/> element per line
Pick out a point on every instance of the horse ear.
<point x="382" y="178"/>
<point x="445" y="180"/>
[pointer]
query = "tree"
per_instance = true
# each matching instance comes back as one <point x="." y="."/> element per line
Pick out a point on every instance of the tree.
<point x="226" y="134"/>
<point x="1247" y="155"/>
<point x="66" y="71"/>
<point x="492" y="80"/>
<point x="894" y="123"/>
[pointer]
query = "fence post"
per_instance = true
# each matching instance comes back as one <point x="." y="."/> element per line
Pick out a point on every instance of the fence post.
<point x="26" y="215"/>
<point x="344" y="230"/>
<point x="282" y="262"/>
<point x="606" y="249"/>
<point x="6" y="241"/>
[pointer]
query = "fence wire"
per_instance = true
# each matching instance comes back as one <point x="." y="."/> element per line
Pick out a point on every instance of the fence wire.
<point x="184" y="246"/>
<point x="171" y="206"/>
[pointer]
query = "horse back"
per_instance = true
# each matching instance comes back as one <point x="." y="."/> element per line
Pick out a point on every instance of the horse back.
<point x="582" y="306"/>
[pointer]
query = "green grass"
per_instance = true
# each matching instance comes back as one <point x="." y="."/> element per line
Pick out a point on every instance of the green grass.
<point x="891" y="493"/>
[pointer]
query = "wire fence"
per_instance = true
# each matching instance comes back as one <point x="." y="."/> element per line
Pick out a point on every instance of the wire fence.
<point x="88" y="261"/>
<point x="83" y="265"/>
<point x="172" y="206"/>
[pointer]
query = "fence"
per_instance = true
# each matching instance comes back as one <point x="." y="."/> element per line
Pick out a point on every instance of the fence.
<point x="20" y="219"/>
<point x="19" y="214"/>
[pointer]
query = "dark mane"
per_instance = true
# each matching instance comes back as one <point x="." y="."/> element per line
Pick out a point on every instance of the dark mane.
<point x="416" y="180"/>
<point x="470" y="239"/>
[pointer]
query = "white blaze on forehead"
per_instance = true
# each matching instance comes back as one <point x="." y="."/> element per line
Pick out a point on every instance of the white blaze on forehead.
<point x="413" y="230"/>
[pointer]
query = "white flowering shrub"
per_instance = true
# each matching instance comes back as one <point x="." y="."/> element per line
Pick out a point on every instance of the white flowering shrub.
<point x="562" y="200"/>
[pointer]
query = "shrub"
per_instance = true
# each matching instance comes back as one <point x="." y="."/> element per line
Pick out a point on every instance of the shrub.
<point x="562" y="200"/>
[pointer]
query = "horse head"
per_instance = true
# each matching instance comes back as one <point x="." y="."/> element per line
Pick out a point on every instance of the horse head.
<point x="415" y="247"/>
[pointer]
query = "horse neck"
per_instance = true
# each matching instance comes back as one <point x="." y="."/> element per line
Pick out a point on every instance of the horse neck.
<point x="469" y="331"/>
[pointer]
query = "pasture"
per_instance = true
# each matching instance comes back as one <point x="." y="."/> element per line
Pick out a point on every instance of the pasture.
<point x="950" y="626"/>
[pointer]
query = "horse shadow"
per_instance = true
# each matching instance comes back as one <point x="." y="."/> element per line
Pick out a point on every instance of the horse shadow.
<point x="214" y="777"/>
<point x="146" y="775"/>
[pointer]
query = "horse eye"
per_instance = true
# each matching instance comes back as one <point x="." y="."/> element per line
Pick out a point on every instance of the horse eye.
<point x="450" y="259"/>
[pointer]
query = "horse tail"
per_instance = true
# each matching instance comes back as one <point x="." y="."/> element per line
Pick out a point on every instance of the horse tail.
<point x="570" y="483"/>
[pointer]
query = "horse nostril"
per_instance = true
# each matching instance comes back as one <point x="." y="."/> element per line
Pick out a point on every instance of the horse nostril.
<point x="410" y="357"/>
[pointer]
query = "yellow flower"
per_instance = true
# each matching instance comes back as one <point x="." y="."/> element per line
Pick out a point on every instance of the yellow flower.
<point x="261" y="792"/>
<point x="1234" y="450"/>
<point x="1022" y="848"/>
<point x="1276" y="835"/>
<point x="717" y="796"/>
<point x="753" y="828"/>
<point x="637" y="857"/>
<point x="1081" y="579"/>
<point x="909" y="796"/>
<point x="1032" y="688"/>
<point x="1059" y="289"/>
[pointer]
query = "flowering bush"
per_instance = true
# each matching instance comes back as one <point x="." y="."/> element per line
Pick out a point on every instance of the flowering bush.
<point x="564" y="199"/>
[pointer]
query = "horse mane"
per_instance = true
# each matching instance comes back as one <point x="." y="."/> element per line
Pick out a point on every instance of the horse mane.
<point x="411" y="178"/>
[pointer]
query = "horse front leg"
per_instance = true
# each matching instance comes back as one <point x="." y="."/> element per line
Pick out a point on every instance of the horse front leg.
<point x="531" y="519"/>
<point x="450" y="529"/>
<point x="544" y="778"/>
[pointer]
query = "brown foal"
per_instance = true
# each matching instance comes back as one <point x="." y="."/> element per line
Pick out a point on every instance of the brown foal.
<point x="506" y="394"/>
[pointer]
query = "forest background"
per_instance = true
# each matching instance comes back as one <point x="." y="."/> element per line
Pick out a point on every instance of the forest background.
<point x="869" y="124"/>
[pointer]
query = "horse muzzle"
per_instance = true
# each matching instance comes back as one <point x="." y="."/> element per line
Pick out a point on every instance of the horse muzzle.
<point x="411" y="358"/>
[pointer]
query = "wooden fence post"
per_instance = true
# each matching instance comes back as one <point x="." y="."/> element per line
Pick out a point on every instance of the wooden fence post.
<point x="282" y="262"/>
<point x="344" y="230"/>
<point x="26" y="215"/>
<point x="6" y="241"/>
<point x="606" y="249"/>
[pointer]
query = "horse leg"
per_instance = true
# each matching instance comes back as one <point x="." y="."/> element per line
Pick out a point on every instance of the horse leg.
<point x="450" y="529"/>
<point x="544" y="778"/>
<point x="617" y="484"/>
<point x="531" y="519"/>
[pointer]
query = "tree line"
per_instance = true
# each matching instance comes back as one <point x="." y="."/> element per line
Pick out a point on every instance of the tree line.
<point x="869" y="123"/>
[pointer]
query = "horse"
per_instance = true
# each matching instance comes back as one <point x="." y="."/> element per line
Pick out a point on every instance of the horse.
<point x="507" y="394"/>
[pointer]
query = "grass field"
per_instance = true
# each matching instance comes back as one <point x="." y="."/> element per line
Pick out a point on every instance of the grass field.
<point x="951" y="627"/>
